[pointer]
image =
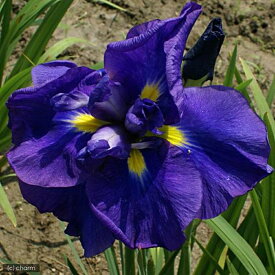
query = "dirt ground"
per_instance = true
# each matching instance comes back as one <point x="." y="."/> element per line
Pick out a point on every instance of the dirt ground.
<point x="38" y="238"/>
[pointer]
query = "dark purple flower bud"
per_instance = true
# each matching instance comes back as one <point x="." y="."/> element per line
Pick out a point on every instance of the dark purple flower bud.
<point x="199" y="61"/>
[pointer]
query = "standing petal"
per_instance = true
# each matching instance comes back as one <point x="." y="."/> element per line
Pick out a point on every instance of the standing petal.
<point x="108" y="101"/>
<point x="153" y="56"/>
<point x="227" y="142"/>
<point x="150" y="202"/>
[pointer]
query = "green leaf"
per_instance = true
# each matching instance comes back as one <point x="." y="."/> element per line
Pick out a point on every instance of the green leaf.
<point x="110" y="4"/>
<point x="268" y="184"/>
<point x="169" y="263"/>
<point x="167" y="256"/>
<point x="185" y="258"/>
<point x="129" y="261"/>
<point x="26" y="16"/>
<point x="231" y="268"/>
<point x="228" y="80"/>
<point x="7" y="176"/>
<point x="39" y="40"/>
<point x="195" y="83"/>
<point x="70" y="266"/>
<point x="210" y="257"/>
<point x="59" y="47"/>
<point x="242" y="86"/>
<point x="6" y="206"/>
<point x="240" y="81"/>
<point x="264" y="234"/>
<point x="151" y="267"/>
<point x="216" y="246"/>
<point x="158" y="258"/>
<point x="98" y="66"/>
<point x="260" y="100"/>
<point x="5" y="261"/>
<point x="238" y="245"/>
<point x="5" y="18"/>
<point x="75" y="254"/>
<point x="141" y="262"/>
<point x="248" y="229"/>
<point x="111" y="261"/>
<point x="271" y="92"/>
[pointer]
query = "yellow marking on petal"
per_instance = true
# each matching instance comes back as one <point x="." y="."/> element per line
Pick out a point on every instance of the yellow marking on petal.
<point x="150" y="91"/>
<point x="87" y="123"/>
<point x="173" y="134"/>
<point x="136" y="163"/>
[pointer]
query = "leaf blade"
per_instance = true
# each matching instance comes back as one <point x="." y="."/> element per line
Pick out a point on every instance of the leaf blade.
<point x="238" y="245"/>
<point x="6" y="206"/>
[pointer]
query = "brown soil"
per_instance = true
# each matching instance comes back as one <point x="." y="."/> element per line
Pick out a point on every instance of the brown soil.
<point x="38" y="238"/>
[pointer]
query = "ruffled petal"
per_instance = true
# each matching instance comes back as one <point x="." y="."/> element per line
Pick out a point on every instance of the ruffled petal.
<point x="71" y="205"/>
<point x="227" y="142"/>
<point x="46" y="72"/>
<point x="51" y="160"/>
<point x="150" y="208"/>
<point x="30" y="109"/>
<point x="152" y="55"/>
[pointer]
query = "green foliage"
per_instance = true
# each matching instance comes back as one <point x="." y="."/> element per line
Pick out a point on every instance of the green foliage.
<point x="6" y="206"/>
<point x="110" y="4"/>
<point x="228" y="80"/>
<point x="74" y="252"/>
<point x="112" y="261"/>
<point x="238" y="245"/>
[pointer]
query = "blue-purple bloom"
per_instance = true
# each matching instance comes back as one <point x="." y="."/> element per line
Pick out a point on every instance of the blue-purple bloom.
<point x="126" y="152"/>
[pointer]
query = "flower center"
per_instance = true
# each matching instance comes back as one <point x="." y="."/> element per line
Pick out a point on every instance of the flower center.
<point x="143" y="116"/>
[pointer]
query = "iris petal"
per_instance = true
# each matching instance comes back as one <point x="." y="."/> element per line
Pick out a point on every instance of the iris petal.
<point x="71" y="205"/>
<point x="30" y="109"/>
<point x="109" y="141"/>
<point x="228" y="144"/>
<point x="46" y="72"/>
<point x="49" y="161"/>
<point x="108" y="101"/>
<point x="149" y="211"/>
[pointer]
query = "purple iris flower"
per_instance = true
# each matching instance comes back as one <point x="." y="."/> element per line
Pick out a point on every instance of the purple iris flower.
<point x="126" y="152"/>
